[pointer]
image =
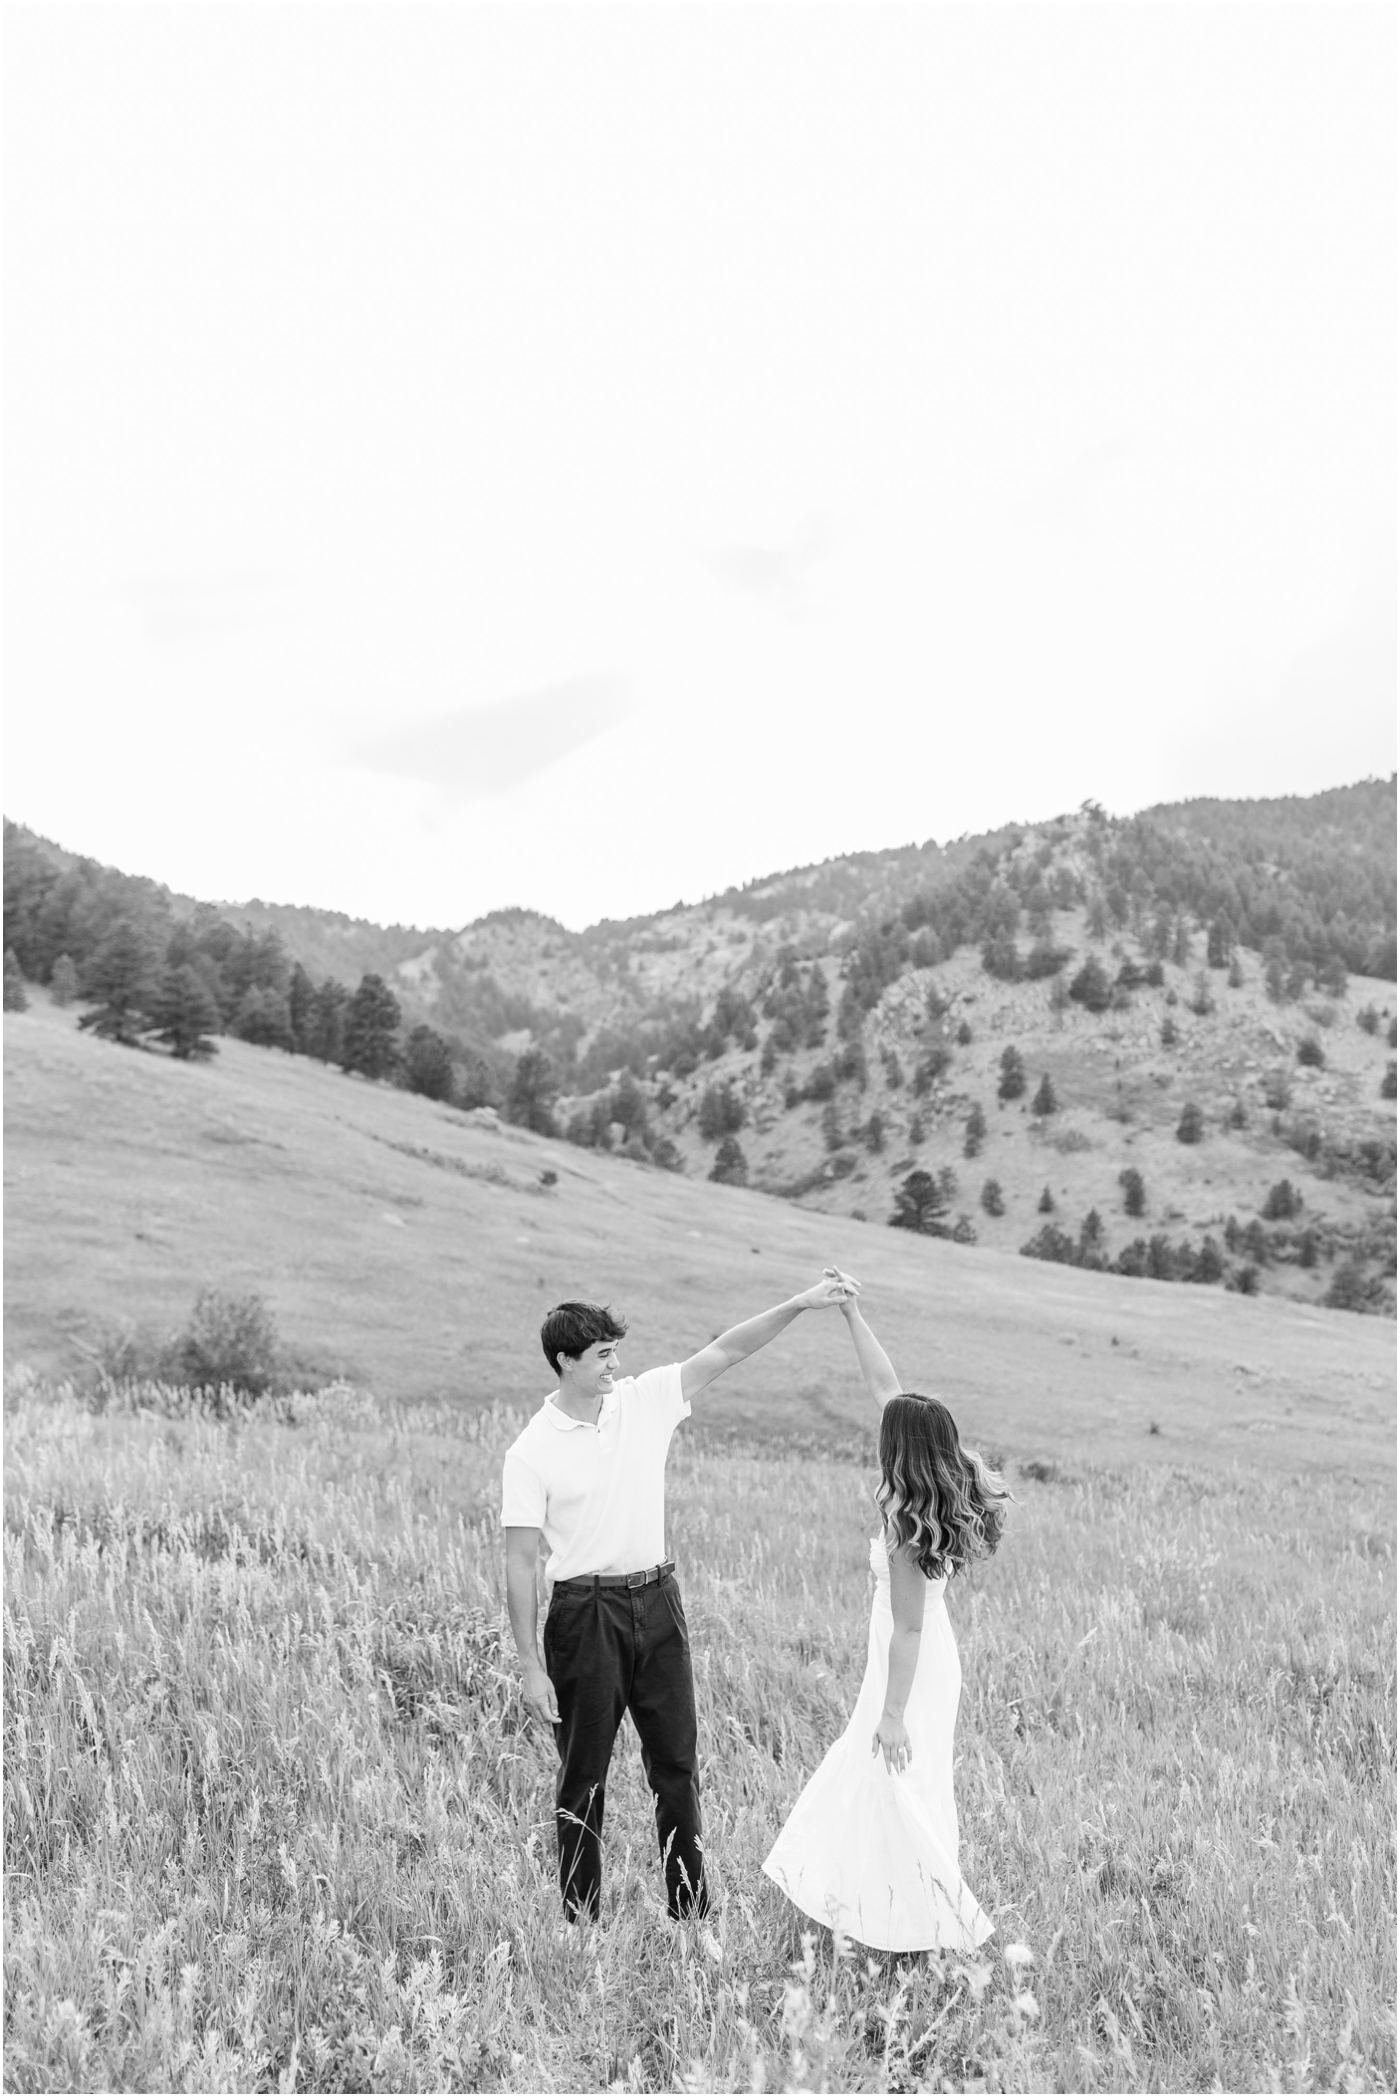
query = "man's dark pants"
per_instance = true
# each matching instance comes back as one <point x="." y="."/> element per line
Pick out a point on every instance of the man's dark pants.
<point x="608" y="1650"/>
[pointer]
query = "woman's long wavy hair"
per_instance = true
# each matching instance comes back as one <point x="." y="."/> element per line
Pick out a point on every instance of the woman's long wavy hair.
<point x="937" y="1498"/>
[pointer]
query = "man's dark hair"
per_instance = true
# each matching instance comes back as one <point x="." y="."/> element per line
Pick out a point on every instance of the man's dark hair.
<point x="572" y="1328"/>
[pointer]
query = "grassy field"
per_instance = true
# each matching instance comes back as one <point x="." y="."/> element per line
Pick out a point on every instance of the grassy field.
<point x="273" y="1818"/>
<point x="409" y="1251"/>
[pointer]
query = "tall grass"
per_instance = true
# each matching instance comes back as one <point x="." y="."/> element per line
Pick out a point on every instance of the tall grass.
<point x="274" y="1817"/>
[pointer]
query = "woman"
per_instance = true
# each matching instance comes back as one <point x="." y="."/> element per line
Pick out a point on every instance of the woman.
<point x="871" y="1847"/>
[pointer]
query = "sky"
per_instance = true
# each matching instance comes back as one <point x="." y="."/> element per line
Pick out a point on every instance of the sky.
<point x="585" y="456"/>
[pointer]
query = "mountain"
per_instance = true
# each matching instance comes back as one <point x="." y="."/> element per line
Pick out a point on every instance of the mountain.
<point x="1207" y="987"/>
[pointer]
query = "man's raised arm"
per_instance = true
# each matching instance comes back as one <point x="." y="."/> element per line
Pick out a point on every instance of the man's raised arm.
<point x="746" y="1339"/>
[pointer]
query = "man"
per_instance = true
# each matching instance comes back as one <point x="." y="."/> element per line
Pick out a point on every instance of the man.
<point x="588" y="1474"/>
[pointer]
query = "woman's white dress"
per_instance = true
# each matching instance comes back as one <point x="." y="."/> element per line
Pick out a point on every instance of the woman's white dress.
<point x="872" y="1852"/>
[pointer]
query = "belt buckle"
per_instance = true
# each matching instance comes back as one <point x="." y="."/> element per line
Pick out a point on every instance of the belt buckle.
<point x="637" y="1579"/>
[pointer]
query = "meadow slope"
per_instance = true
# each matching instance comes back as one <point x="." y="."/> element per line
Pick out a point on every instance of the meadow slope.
<point x="408" y="1249"/>
<point x="274" y="1818"/>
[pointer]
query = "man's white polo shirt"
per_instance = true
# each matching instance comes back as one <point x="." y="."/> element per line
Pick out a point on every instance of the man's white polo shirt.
<point x="598" y="1492"/>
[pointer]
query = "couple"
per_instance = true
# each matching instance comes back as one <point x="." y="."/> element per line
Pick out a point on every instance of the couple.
<point x="871" y="1846"/>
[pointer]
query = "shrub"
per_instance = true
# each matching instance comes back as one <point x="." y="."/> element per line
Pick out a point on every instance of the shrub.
<point x="1352" y="1289"/>
<point x="974" y="1132"/>
<point x="917" y="1130"/>
<point x="665" y="1154"/>
<point x="1278" y="1091"/>
<point x="1310" y="1052"/>
<point x="228" y="1340"/>
<point x="731" y="1167"/>
<point x="1235" y="974"/>
<point x="1202" y="1003"/>
<point x="963" y="1037"/>
<point x="1388" y="1082"/>
<point x="934" y="1066"/>
<point x="821" y="1083"/>
<point x="1192" y="1125"/>
<point x="1237" y="1118"/>
<point x="1134" y="1192"/>
<point x="1171" y="1034"/>
<point x="964" y="1231"/>
<point x="894" y="1074"/>
<point x="992" y="1199"/>
<point x="1368" y="1019"/>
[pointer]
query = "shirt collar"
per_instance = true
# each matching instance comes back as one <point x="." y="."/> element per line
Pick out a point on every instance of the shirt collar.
<point x="561" y="1419"/>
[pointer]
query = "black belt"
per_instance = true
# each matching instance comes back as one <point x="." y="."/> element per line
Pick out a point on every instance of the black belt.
<point x="587" y="1580"/>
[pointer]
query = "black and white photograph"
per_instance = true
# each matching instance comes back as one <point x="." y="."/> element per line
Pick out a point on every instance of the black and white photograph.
<point x="700" y="1045"/>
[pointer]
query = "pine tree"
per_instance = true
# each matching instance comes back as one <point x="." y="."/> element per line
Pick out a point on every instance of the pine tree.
<point x="533" y="1091"/>
<point x="427" y="1064"/>
<point x="1012" y="1082"/>
<point x="301" y="1000"/>
<point x="1388" y="1082"/>
<point x="1192" y="1125"/>
<point x="1091" y="987"/>
<point x="920" y="1204"/>
<point x="1134" y="1192"/>
<point x="371" y="1023"/>
<point x="325" y="1036"/>
<point x="1046" y="1204"/>
<point x="122" y="980"/>
<point x="477" y="1087"/>
<point x="15" y="998"/>
<point x="1170" y="1032"/>
<point x="992" y="1199"/>
<point x="63" y="980"/>
<point x="262" y="1018"/>
<point x="974" y="1133"/>
<point x="1045" y="1101"/>
<point x="731" y="1167"/>
<point x="186" y="1014"/>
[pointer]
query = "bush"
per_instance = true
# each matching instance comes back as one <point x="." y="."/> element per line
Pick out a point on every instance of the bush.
<point x="1171" y="1034"/>
<point x="992" y="1199"/>
<point x="974" y="1132"/>
<point x="1388" y="1082"/>
<point x="934" y="1066"/>
<point x="665" y="1154"/>
<point x="964" y="1231"/>
<point x="1310" y="1052"/>
<point x="963" y="1037"/>
<point x="1368" y="1019"/>
<point x="229" y="1340"/>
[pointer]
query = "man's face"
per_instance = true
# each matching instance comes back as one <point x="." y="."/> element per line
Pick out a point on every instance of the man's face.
<point x="596" y="1368"/>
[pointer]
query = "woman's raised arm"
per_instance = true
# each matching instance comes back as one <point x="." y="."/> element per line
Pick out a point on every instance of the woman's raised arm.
<point x="876" y="1368"/>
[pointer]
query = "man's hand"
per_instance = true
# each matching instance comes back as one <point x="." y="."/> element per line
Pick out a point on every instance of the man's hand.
<point x="539" y="1694"/>
<point x="833" y="1288"/>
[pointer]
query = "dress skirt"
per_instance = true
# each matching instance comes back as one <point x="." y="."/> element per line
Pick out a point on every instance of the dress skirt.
<point x="872" y="1852"/>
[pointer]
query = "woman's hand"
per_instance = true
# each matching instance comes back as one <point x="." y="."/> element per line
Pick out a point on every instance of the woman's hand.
<point x="849" y="1302"/>
<point x="834" y="1287"/>
<point x="891" y="1736"/>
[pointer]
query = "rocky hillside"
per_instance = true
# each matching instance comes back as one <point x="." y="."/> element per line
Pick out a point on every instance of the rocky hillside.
<point x="1163" y="1044"/>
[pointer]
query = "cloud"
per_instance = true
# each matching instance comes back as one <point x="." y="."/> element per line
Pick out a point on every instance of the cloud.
<point x="174" y="608"/>
<point x="777" y="573"/>
<point x="480" y="751"/>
